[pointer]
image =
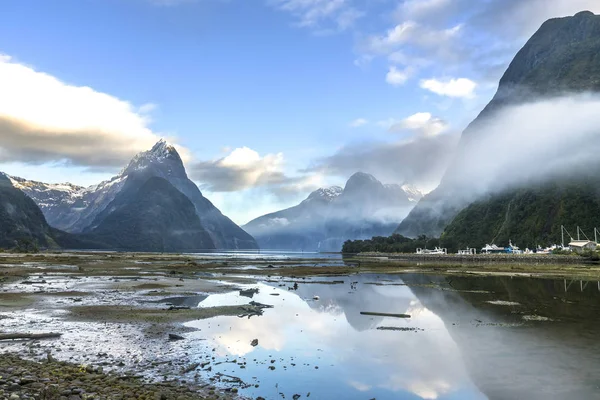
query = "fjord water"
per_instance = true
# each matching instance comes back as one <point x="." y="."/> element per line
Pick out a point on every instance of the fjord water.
<point x="467" y="338"/>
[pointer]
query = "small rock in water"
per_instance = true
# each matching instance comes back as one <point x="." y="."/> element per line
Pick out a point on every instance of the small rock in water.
<point x="173" y="336"/>
<point x="316" y="297"/>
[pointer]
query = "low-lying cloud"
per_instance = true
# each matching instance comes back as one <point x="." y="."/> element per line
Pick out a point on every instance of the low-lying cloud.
<point x="531" y="143"/>
<point x="43" y="119"/>
<point x="421" y="160"/>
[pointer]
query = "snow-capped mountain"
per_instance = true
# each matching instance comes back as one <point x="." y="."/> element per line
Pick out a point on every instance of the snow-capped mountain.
<point x="81" y="210"/>
<point x="413" y="193"/>
<point x="328" y="216"/>
<point x="326" y="194"/>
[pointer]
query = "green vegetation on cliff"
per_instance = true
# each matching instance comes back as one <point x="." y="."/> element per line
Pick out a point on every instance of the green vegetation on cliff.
<point x="529" y="216"/>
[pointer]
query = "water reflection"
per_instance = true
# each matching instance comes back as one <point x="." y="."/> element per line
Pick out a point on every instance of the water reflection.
<point x="534" y="339"/>
<point x="327" y="348"/>
<point x="492" y="337"/>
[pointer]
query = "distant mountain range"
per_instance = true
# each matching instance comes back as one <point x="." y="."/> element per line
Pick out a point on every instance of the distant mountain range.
<point x="563" y="56"/>
<point x="365" y="207"/>
<point x="150" y="206"/>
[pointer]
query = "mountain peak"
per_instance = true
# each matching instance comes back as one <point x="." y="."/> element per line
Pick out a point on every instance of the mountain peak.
<point x="585" y="13"/>
<point x="162" y="147"/>
<point x="162" y="155"/>
<point x="361" y="180"/>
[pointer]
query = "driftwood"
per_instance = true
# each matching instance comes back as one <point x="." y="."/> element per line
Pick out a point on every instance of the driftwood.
<point x="29" y="336"/>
<point x="398" y="328"/>
<point x="191" y="368"/>
<point x="378" y="314"/>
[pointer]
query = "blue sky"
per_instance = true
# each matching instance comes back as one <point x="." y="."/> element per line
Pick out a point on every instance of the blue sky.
<point x="285" y="94"/>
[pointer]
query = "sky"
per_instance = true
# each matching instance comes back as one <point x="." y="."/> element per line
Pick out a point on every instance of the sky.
<point x="266" y="100"/>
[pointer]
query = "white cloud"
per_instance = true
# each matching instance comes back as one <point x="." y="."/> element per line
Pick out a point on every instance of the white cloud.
<point x="461" y="87"/>
<point x="397" y="77"/>
<point x="44" y="119"/>
<point x="358" y="122"/>
<point x="394" y="37"/>
<point x="409" y="33"/>
<point x="244" y="168"/>
<point x="544" y="130"/>
<point x="241" y="169"/>
<point x="318" y="14"/>
<point x="423" y="123"/>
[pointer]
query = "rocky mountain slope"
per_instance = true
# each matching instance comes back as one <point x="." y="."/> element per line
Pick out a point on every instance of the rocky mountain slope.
<point x="20" y="218"/>
<point x="562" y="56"/>
<point x="24" y="227"/>
<point x="327" y="217"/>
<point x="83" y="210"/>
<point x="154" y="217"/>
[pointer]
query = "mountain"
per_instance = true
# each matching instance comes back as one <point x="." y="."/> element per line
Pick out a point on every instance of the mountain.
<point x="530" y="217"/>
<point x="329" y="216"/>
<point x="82" y="210"/>
<point x="21" y="219"/>
<point x="23" y="225"/>
<point x="562" y="56"/>
<point x="153" y="217"/>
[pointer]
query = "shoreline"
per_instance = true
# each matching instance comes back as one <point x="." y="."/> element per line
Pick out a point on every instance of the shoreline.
<point x="489" y="258"/>
<point x="21" y="378"/>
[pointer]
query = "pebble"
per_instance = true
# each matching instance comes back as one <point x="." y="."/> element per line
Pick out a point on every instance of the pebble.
<point x="29" y="380"/>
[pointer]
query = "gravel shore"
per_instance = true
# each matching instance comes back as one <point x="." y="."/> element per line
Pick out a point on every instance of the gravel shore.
<point x="52" y="380"/>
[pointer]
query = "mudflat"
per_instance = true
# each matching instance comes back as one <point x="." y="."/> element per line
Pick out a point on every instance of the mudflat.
<point x="217" y="326"/>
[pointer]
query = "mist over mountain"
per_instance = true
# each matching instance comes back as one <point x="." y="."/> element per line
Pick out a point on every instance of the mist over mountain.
<point x="540" y="128"/>
<point x="365" y="207"/>
<point x="93" y="210"/>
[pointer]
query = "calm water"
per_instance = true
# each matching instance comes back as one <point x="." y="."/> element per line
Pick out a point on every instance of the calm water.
<point x="467" y="338"/>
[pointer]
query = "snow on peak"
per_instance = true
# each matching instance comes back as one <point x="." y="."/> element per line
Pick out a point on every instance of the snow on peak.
<point x="328" y="194"/>
<point x="162" y="148"/>
<point x="158" y="154"/>
<point x="413" y="193"/>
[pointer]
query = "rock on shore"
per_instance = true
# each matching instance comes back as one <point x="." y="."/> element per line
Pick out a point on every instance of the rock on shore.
<point x="28" y="380"/>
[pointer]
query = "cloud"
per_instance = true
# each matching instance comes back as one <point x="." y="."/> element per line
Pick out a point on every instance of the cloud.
<point x="424" y="123"/>
<point x="421" y="160"/>
<point x="461" y="87"/>
<point x="396" y="77"/>
<point x="409" y="33"/>
<point x="321" y="15"/>
<point x="43" y="119"/>
<point x="358" y="122"/>
<point x="478" y="37"/>
<point x="244" y="168"/>
<point x="547" y="139"/>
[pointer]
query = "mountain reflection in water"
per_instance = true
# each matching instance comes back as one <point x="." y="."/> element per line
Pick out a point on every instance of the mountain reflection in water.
<point x="477" y="338"/>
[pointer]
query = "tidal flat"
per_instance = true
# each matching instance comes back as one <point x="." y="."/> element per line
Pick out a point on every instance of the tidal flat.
<point x="253" y="326"/>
